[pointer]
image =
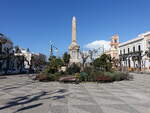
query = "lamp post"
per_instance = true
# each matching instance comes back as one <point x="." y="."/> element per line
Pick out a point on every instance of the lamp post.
<point x="52" y="48"/>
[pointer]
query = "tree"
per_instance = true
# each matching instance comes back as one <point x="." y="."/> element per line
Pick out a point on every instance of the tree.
<point x="66" y="59"/>
<point x="103" y="63"/>
<point x="54" y="64"/>
<point x="147" y="53"/>
<point x="20" y="62"/>
<point x="84" y="57"/>
<point x="5" y="53"/>
<point x="38" y="62"/>
<point x="92" y="54"/>
<point x="17" y="49"/>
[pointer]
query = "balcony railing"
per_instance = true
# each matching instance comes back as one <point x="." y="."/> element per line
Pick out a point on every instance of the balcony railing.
<point x="136" y="55"/>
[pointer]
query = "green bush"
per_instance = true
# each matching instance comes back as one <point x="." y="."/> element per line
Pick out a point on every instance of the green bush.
<point x="49" y="69"/>
<point x="54" y="77"/>
<point x="51" y="77"/>
<point x="117" y="76"/>
<point x="74" y="68"/>
<point x="42" y="77"/>
<point x="94" y="75"/>
<point x="88" y="70"/>
<point x="48" y="76"/>
<point x="83" y="76"/>
<point x="110" y="74"/>
<point x="77" y="75"/>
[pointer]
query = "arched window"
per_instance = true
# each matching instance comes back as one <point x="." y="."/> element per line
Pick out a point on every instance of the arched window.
<point x="133" y="49"/>
<point x="139" y="47"/>
<point x="128" y="50"/>
<point x="115" y="41"/>
<point x="124" y="51"/>
<point x="120" y="52"/>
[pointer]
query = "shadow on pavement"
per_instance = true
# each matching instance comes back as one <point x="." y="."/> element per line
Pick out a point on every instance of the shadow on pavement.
<point x="23" y="100"/>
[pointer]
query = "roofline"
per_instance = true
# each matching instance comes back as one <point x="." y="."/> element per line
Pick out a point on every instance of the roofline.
<point x="140" y="37"/>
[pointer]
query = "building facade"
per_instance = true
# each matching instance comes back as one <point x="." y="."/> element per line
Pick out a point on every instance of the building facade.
<point x="30" y="61"/>
<point x="132" y="53"/>
<point x="23" y="58"/>
<point x="15" y="60"/>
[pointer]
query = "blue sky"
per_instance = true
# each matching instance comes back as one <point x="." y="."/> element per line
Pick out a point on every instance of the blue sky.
<point x="33" y="23"/>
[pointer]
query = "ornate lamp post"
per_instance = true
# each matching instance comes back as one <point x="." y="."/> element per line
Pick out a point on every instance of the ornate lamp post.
<point x="52" y="48"/>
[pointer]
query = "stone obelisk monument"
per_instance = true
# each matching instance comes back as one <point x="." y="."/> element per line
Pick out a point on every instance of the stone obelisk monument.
<point x="74" y="48"/>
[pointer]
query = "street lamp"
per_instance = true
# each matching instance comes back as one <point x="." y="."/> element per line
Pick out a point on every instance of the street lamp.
<point x="52" y="48"/>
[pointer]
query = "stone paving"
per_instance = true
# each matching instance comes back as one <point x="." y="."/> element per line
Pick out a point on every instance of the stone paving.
<point x="20" y="94"/>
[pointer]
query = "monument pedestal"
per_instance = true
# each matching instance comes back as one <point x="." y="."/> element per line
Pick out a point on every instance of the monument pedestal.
<point x="74" y="55"/>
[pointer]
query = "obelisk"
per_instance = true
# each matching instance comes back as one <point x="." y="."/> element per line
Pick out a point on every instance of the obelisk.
<point x="73" y="29"/>
<point x="74" y="48"/>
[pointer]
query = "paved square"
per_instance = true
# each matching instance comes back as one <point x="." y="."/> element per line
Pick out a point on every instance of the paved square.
<point x="20" y="94"/>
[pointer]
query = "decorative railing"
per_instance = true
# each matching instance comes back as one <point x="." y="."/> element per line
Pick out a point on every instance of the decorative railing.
<point x="135" y="55"/>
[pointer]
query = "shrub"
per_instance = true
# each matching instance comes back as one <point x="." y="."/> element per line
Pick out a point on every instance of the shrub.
<point x="42" y="77"/>
<point x="110" y="74"/>
<point x="48" y="76"/>
<point x="94" y="75"/>
<point x="54" y="77"/>
<point x="49" y="69"/>
<point x="74" y="68"/>
<point x="78" y="76"/>
<point x="57" y="75"/>
<point x="117" y="76"/>
<point x="104" y="79"/>
<point x="83" y="76"/>
<point x="88" y="70"/>
<point x="51" y="77"/>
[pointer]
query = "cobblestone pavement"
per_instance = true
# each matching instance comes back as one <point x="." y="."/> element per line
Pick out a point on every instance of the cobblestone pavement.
<point x="19" y="94"/>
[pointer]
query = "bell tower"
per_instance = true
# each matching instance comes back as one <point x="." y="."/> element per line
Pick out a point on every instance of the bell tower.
<point x="114" y="42"/>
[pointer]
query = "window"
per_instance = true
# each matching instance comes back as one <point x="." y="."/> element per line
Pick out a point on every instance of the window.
<point x="124" y="51"/>
<point x="128" y="50"/>
<point x="120" y="52"/>
<point x="133" y="49"/>
<point x="115" y="41"/>
<point x="149" y="44"/>
<point x="139" y="48"/>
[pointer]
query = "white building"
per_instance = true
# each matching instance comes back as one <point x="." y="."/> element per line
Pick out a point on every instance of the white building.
<point x="28" y="61"/>
<point x="132" y="53"/>
<point x="27" y="57"/>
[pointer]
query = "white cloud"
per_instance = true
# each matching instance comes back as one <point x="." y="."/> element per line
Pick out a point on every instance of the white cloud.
<point x="98" y="43"/>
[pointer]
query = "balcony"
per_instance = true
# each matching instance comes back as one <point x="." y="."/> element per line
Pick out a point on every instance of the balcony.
<point x="136" y="54"/>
